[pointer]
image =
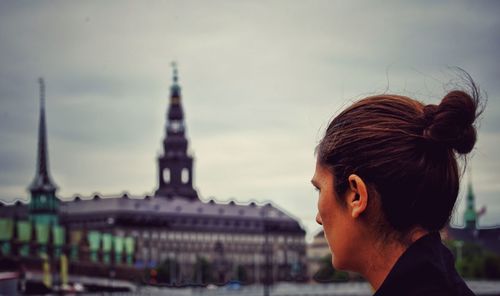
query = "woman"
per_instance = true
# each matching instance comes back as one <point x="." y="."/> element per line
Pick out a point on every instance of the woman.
<point x="388" y="179"/>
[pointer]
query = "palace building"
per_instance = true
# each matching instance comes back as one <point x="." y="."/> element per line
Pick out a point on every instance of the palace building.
<point x="471" y="232"/>
<point x="185" y="239"/>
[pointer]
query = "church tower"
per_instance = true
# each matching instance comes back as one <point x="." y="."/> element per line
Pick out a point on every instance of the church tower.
<point x="175" y="166"/>
<point x="470" y="215"/>
<point x="44" y="204"/>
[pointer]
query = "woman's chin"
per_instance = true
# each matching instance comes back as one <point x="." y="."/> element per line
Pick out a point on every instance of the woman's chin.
<point x="337" y="264"/>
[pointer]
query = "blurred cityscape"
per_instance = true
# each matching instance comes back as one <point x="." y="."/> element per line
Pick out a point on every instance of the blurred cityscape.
<point x="173" y="239"/>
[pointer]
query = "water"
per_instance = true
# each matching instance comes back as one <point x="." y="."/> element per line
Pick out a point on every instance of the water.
<point x="481" y="288"/>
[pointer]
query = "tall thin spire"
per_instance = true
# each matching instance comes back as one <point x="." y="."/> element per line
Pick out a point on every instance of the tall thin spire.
<point x="470" y="215"/>
<point x="175" y="76"/>
<point x="175" y="114"/>
<point x="42" y="181"/>
<point x="175" y="89"/>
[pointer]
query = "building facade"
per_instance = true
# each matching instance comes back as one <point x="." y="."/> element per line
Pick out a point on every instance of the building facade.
<point x="487" y="237"/>
<point x="173" y="232"/>
<point x="317" y="251"/>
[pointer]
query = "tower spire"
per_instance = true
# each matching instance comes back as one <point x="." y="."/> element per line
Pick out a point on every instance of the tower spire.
<point x="175" y="165"/>
<point x="42" y="181"/>
<point x="175" y="89"/>
<point x="470" y="215"/>
<point x="175" y="74"/>
<point x="43" y="204"/>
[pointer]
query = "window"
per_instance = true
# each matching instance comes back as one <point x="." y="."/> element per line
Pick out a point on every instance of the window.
<point x="175" y="125"/>
<point x="166" y="175"/>
<point x="185" y="175"/>
<point x="280" y="257"/>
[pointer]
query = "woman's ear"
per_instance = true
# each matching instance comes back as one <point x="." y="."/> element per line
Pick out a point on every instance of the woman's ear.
<point x="358" y="195"/>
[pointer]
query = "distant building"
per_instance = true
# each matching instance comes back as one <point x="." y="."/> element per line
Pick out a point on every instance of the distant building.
<point x="251" y="242"/>
<point x="489" y="237"/>
<point x="317" y="250"/>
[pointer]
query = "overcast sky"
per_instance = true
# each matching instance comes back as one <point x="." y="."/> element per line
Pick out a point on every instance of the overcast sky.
<point x="260" y="81"/>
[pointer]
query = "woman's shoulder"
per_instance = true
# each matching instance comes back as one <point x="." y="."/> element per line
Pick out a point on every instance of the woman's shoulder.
<point x="427" y="267"/>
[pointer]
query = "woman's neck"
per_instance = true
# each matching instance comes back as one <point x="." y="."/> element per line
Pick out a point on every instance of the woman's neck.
<point x="382" y="258"/>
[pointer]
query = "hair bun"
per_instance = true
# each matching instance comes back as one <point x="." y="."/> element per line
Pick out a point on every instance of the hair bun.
<point x="451" y="123"/>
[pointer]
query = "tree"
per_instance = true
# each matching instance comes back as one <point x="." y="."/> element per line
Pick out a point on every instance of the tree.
<point x="166" y="271"/>
<point x="202" y="271"/>
<point x="241" y="273"/>
<point x="491" y="266"/>
<point x="327" y="273"/>
<point x="473" y="261"/>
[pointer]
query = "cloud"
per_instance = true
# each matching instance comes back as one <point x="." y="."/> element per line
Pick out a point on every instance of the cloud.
<point x="260" y="82"/>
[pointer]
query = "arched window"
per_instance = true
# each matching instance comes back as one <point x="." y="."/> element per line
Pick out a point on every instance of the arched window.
<point x="185" y="175"/>
<point x="166" y="175"/>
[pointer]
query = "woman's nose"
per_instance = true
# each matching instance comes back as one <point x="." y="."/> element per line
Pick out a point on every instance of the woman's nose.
<point x="318" y="219"/>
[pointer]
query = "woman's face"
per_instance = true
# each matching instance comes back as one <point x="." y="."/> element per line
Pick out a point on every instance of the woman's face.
<point x="336" y="220"/>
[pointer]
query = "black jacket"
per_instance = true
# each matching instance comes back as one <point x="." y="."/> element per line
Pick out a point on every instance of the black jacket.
<point x="427" y="268"/>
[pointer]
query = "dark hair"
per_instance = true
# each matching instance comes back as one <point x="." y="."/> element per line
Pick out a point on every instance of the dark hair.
<point x="406" y="152"/>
